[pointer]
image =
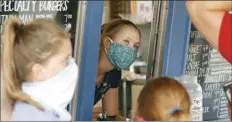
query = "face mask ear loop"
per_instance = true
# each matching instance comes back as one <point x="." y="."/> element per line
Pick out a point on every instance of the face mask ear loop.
<point x="106" y="51"/>
<point x="110" y="41"/>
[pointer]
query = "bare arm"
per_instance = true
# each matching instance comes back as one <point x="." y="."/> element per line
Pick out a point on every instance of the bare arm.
<point x="207" y="17"/>
<point x="110" y="102"/>
<point x="230" y="109"/>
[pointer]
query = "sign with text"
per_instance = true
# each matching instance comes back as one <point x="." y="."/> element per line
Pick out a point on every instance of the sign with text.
<point x="213" y="72"/>
<point x="63" y="11"/>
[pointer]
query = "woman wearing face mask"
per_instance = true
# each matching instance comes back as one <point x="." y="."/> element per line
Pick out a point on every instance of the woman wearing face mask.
<point x="39" y="72"/>
<point x="120" y="41"/>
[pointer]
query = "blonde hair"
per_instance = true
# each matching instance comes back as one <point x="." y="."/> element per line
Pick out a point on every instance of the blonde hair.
<point x="158" y="99"/>
<point x="113" y="27"/>
<point x="6" y="102"/>
<point x="24" y="45"/>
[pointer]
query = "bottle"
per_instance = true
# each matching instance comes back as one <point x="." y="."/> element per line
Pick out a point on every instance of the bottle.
<point x="195" y="92"/>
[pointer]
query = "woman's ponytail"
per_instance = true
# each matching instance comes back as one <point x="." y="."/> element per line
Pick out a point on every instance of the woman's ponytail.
<point x="103" y="27"/>
<point x="11" y="81"/>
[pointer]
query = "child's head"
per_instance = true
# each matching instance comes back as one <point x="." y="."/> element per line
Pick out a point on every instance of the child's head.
<point x="32" y="52"/>
<point x="164" y="99"/>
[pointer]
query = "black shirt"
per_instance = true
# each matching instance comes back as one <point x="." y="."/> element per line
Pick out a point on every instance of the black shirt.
<point x="110" y="80"/>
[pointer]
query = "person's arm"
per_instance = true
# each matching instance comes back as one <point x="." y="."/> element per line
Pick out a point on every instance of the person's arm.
<point x="110" y="102"/>
<point x="230" y="109"/>
<point x="207" y="18"/>
<point x="110" y="99"/>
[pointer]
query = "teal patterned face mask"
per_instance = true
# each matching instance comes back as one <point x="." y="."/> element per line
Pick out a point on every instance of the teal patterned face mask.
<point x="121" y="56"/>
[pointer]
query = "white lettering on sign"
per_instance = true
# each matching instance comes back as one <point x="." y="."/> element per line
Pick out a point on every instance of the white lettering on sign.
<point x="53" y="5"/>
<point x="8" y="6"/>
<point x="212" y="87"/>
<point x="206" y="109"/>
<point x="194" y="48"/>
<point x="196" y="35"/>
<point x="208" y="94"/>
<point x="23" y="5"/>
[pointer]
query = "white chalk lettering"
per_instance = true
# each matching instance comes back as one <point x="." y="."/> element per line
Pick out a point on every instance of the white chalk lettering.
<point x="212" y="87"/>
<point x="221" y="72"/>
<point x="215" y="78"/>
<point x="217" y="60"/>
<point x="207" y="94"/>
<point x="218" y="93"/>
<point x="196" y="34"/>
<point x="223" y="116"/>
<point x="215" y="101"/>
<point x="205" y="47"/>
<point x="224" y="102"/>
<point x="21" y="6"/>
<point x="192" y="57"/>
<point x="24" y="17"/>
<point x="215" y="108"/>
<point x="33" y="5"/>
<point x="1" y="3"/>
<point x="6" y="6"/>
<point x="194" y="48"/>
<point x="192" y="72"/>
<point x="193" y="65"/>
<point x="67" y="17"/>
<point x="53" y="5"/>
<point x="224" y="109"/>
<point x="205" y="63"/>
<point x="206" y="109"/>
<point x="43" y="16"/>
<point x="215" y="55"/>
<point x="202" y="72"/>
<point x="221" y="68"/>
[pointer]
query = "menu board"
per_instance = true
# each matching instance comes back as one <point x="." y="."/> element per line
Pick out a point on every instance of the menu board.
<point x="213" y="72"/>
<point x="63" y="11"/>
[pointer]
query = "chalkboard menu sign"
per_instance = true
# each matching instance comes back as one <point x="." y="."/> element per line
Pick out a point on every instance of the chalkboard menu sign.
<point x="63" y="11"/>
<point x="213" y="72"/>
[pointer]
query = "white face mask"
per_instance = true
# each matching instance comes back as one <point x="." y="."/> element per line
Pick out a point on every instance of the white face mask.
<point x="55" y="93"/>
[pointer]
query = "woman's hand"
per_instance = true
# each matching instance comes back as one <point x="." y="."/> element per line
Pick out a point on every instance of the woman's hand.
<point x="96" y="112"/>
<point x="120" y="118"/>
